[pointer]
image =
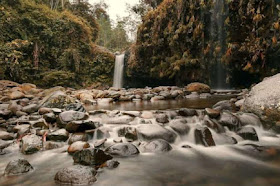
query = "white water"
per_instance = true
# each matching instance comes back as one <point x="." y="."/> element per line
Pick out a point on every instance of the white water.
<point x="118" y="73"/>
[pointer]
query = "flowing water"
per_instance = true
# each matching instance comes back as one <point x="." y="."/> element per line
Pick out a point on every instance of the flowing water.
<point x="224" y="164"/>
<point x="118" y="72"/>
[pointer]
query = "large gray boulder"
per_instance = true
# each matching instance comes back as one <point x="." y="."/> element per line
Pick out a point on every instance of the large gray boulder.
<point x="264" y="100"/>
<point x="16" y="167"/>
<point x="76" y="175"/>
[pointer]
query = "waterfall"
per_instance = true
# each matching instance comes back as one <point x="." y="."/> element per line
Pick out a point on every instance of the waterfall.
<point x="118" y="73"/>
<point x="218" y="37"/>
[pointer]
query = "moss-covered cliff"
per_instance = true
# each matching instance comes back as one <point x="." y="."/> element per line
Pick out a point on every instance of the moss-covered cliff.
<point x="184" y="40"/>
<point x="50" y="47"/>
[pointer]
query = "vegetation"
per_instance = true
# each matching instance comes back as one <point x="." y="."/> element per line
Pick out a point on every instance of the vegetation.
<point x="183" y="41"/>
<point x="51" y="47"/>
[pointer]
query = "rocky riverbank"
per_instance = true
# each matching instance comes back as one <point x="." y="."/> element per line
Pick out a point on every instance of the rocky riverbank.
<point x="33" y="120"/>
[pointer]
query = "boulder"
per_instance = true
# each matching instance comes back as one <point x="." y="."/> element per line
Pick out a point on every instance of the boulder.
<point x="6" y="136"/>
<point x="263" y="100"/>
<point x="91" y="156"/>
<point x="162" y="118"/>
<point x="248" y="133"/>
<point x="249" y="119"/>
<point x="120" y="120"/>
<point x="229" y="120"/>
<point x="81" y="126"/>
<point x="225" y="105"/>
<point x="212" y="113"/>
<point x="187" y="112"/>
<point x="180" y="126"/>
<point x="204" y="137"/>
<point x="153" y="132"/>
<point x="59" y="135"/>
<point x="198" y="87"/>
<point x="17" y="167"/>
<point x="123" y="150"/>
<point x="76" y="175"/>
<point x="77" y="146"/>
<point x="156" y="146"/>
<point x="77" y="137"/>
<point x="68" y="116"/>
<point x="30" y="144"/>
<point x="16" y="95"/>
<point x="30" y="108"/>
<point x="57" y="99"/>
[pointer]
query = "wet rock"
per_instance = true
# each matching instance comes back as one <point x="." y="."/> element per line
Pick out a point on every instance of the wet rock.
<point x="20" y="113"/>
<point x="212" y="113"/>
<point x="204" y="137"/>
<point x="156" y="146"/>
<point x="77" y="137"/>
<point x="248" y="133"/>
<point x="30" y="144"/>
<point x="77" y="146"/>
<point x="112" y="164"/>
<point x="213" y="124"/>
<point x="225" y="105"/>
<point x="91" y="157"/>
<point x="68" y="116"/>
<point x="81" y="126"/>
<point x="162" y="118"/>
<point x="59" y="135"/>
<point x="123" y="150"/>
<point x="50" y="117"/>
<point x="41" y="123"/>
<point x="4" y="144"/>
<point x="99" y="143"/>
<point x="193" y="95"/>
<point x="44" y="110"/>
<point x="153" y="132"/>
<point x="5" y="114"/>
<point x="6" y="136"/>
<point x="49" y="145"/>
<point x="132" y="113"/>
<point x="17" y="167"/>
<point x="99" y="133"/>
<point x="157" y="98"/>
<point x="187" y="112"/>
<point x="75" y="107"/>
<point x="30" y="108"/>
<point x="198" y="87"/>
<point x="239" y="103"/>
<point x="249" y="119"/>
<point x="16" y="95"/>
<point x="180" y="126"/>
<point x="120" y="120"/>
<point x="14" y="107"/>
<point x="22" y="129"/>
<point x="57" y="99"/>
<point x="76" y="175"/>
<point x="229" y="120"/>
<point x="147" y="115"/>
<point x="129" y="133"/>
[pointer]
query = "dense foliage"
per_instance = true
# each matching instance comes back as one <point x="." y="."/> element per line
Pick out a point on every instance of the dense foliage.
<point x="184" y="40"/>
<point x="51" y="47"/>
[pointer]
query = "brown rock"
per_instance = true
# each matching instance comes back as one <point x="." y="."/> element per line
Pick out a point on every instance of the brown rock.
<point x="198" y="87"/>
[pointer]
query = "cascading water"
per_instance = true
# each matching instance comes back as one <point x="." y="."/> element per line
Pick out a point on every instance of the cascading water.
<point x="118" y="73"/>
<point x="218" y="35"/>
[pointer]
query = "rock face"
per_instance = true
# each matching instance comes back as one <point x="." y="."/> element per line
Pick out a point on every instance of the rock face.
<point x="76" y="175"/>
<point x="30" y="144"/>
<point x="204" y="137"/>
<point x="248" y="133"/>
<point x="156" y="146"/>
<point x="263" y="100"/>
<point x="152" y="132"/>
<point x="122" y="149"/>
<point x="16" y="167"/>
<point x="91" y="157"/>
<point x="198" y="87"/>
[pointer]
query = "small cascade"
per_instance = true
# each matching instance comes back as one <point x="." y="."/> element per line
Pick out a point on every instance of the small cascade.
<point x="118" y="73"/>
